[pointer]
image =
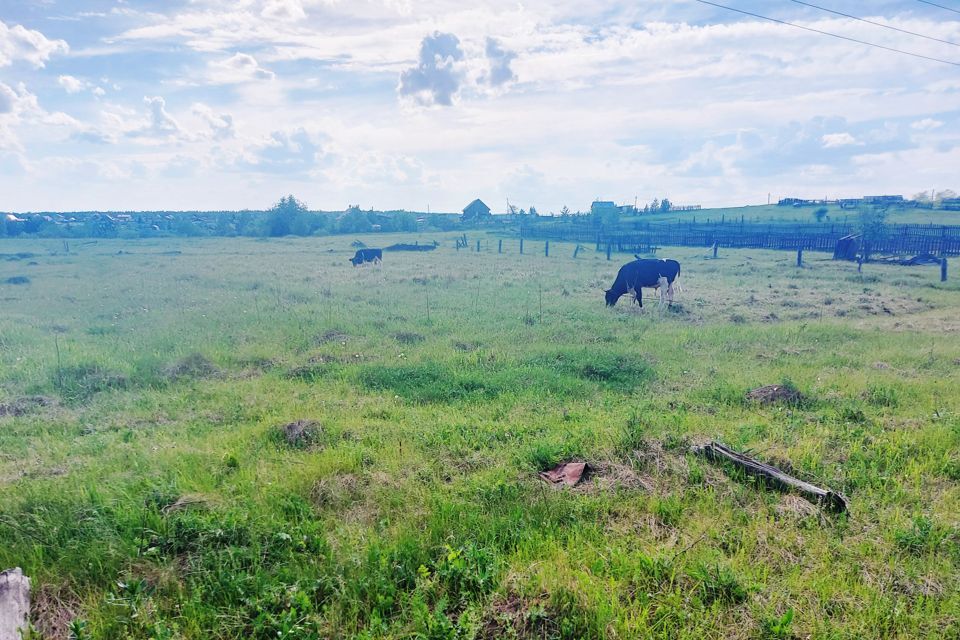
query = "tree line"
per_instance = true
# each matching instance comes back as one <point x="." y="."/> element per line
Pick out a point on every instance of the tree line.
<point x="289" y="216"/>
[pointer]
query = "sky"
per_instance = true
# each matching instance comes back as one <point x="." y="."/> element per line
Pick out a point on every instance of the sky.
<point x="417" y="105"/>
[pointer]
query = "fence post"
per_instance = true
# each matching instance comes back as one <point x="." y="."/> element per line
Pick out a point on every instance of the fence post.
<point x="521" y="246"/>
<point x="478" y="246"/>
<point x="576" y="251"/>
<point x="500" y="246"/>
<point x="609" y="248"/>
<point x="716" y="247"/>
<point x="943" y="269"/>
<point x="546" y="249"/>
<point x="800" y="257"/>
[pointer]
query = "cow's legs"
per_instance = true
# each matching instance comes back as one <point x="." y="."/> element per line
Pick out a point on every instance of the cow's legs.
<point x="662" y="287"/>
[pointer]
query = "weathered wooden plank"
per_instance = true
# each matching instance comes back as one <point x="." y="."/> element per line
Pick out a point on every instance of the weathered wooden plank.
<point x="772" y="476"/>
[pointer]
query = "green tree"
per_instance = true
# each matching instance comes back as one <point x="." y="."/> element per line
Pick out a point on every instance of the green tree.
<point x="872" y="224"/>
<point x="665" y="205"/>
<point x="353" y="221"/>
<point x="820" y="214"/>
<point x="946" y="194"/>
<point x="186" y="227"/>
<point x="282" y="216"/>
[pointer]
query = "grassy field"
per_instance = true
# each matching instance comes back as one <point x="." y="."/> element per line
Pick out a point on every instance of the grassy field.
<point x="152" y="488"/>
<point x="836" y="215"/>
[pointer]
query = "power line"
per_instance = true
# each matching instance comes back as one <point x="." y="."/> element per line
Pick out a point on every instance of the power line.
<point x="878" y="24"/>
<point x="940" y="6"/>
<point x="832" y="35"/>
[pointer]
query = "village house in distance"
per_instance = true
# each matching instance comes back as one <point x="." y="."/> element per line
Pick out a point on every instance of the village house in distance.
<point x="476" y="211"/>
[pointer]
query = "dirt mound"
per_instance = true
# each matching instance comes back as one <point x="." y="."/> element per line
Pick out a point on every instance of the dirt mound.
<point x="52" y="610"/>
<point x="301" y="434"/>
<point x="408" y="337"/>
<point x="18" y="280"/>
<point x="775" y="393"/>
<point x="195" y="365"/>
<point x="23" y="406"/>
<point x="338" y="491"/>
<point x="332" y="335"/>
<point x="506" y="616"/>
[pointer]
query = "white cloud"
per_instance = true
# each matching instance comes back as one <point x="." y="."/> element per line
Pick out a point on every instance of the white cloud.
<point x="551" y="102"/>
<point x="70" y="84"/>
<point x="288" y="152"/>
<point x="291" y="10"/>
<point x="437" y="77"/>
<point x="20" y="43"/>
<point x="832" y="140"/>
<point x="499" y="58"/>
<point x="20" y="108"/>
<point x="927" y="124"/>
<point x="8" y="98"/>
<point x="240" y="67"/>
<point x="159" y="125"/>
<point x="220" y="124"/>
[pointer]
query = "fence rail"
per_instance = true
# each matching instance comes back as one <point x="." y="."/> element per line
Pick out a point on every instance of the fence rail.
<point x="905" y="239"/>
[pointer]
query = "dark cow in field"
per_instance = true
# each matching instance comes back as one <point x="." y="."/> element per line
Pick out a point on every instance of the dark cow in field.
<point x="367" y="255"/>
<point x="650" y="273"/>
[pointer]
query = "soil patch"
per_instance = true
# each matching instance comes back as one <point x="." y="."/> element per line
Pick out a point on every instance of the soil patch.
<point x="301" y="434"/>
<point x="775" y="393"/>
<point x="332" y="335"/>
<point x="338" y="491"/>
<point x="23" y="406"/>
<point x="408" y="337"/>
<point x="195" y="365"/>
<point x="52" y="609"/>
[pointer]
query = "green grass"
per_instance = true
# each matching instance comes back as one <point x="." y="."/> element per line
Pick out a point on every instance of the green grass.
<point x="153" y="496"/>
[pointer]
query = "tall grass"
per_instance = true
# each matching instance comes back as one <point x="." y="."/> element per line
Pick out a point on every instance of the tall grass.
<point x="149" y="494"/>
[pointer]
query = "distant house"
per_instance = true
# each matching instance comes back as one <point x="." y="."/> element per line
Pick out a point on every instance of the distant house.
<point x="883" y="199"/>
<point x="476" y="210"/>
<point x="599" y="207"/>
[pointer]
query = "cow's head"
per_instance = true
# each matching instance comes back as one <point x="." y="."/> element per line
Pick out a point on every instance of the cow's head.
<point x="611" y="298"/>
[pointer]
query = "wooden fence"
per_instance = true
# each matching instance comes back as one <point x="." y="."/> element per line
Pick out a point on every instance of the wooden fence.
<point x="905" y="239"/>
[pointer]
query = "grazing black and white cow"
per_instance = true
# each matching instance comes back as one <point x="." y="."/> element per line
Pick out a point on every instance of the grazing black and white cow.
<point x="650" y="273"/>
<point x="367" y="255"/>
